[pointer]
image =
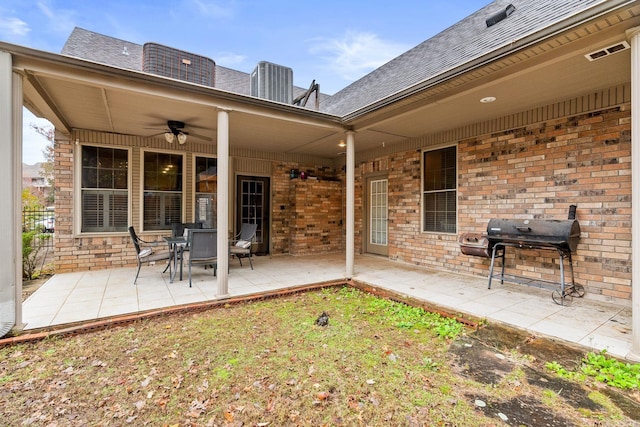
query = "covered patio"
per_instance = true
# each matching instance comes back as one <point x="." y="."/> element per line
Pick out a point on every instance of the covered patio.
<point x="85" y="297"/>
<point x="559" y="131"/>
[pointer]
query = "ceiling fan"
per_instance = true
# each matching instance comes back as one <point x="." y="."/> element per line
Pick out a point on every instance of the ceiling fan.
<point x="176" y="132"/>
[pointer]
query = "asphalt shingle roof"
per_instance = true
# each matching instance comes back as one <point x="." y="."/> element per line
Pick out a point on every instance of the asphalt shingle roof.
<point x="103" y="49"/>
<point x="453" y="47"/>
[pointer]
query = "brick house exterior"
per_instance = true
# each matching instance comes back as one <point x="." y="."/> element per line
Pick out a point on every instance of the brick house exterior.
<point x="530" y="168"/>
<point x="553" y="139"/>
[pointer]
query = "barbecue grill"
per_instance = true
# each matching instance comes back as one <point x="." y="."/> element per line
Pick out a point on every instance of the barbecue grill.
<point x="561" y="236"/>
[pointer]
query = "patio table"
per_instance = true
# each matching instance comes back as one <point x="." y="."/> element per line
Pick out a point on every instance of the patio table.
<point x="176" y="247"/>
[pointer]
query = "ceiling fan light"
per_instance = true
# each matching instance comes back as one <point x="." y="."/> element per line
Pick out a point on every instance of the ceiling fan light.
<point x="182" y="138"/>
<point x="169" y="137"/>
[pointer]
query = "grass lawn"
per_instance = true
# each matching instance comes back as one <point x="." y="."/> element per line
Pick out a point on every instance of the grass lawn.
<point x="267" y="363"/>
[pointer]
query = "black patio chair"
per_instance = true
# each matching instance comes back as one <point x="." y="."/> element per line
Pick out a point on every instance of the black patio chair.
<point x="203" y="249"/>
<point x="241" y="244"/>
<point x="180" y="230"/>
<point x="145" y="251"/>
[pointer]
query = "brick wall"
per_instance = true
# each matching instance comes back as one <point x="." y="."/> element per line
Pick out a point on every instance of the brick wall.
<point x="318" y="202"/>
<point x="536" y="171"/>
<point x="90" y="252"/>
<point x="316" y="223"/>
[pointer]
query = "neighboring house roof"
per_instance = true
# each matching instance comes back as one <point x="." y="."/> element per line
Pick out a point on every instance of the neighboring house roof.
<point x="103" y="49"/>
<point x="459" y="44"/>
<point x="111" y="51"/>
<point x="454" y="49"/>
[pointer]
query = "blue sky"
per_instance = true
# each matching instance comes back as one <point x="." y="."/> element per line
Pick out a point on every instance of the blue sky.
<point x="333" y="42"/>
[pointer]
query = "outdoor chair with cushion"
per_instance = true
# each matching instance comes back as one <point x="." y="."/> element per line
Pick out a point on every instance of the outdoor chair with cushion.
<point x="145" y="251"/>
<point x="178" y="229"/>
<point x="241" y="245"/>
<point x="203" y="249"/>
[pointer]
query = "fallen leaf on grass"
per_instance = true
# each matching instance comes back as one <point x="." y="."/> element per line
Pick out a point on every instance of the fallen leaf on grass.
<point x="177" y="381"/>
<point x="323" y="395"/>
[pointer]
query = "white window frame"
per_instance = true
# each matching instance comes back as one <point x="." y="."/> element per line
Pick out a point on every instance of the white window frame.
<point x="182" y="189"/>
<point x="77" y="192"/>
<point x="423" y="192"/>
<point x="194" y="180"/>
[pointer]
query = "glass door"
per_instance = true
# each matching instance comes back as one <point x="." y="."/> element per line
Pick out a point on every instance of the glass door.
<point x="253" y="207"/>
<point x="377" y="212"/>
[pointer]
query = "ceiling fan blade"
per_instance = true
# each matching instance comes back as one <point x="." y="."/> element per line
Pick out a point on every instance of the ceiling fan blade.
<point x="195" y="135"/>
<point x="155" y="134"/>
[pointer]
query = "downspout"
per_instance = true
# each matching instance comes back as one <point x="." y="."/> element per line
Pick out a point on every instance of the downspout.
<point x="633" y="35"/>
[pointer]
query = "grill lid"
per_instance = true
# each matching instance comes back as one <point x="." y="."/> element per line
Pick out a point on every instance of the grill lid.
<point x="560" y="234"/>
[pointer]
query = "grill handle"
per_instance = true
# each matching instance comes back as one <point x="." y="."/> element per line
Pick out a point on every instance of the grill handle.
<point x="523" y="229"/>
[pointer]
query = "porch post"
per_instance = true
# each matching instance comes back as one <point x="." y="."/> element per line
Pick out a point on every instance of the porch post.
<point x="633" y="35"/>
<point x="223" y="203"/>
<point x="10" y="192"/>
<point x="350" y="246"/>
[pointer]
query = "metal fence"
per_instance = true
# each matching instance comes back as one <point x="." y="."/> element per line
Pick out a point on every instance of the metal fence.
<point x="42" y="221"/>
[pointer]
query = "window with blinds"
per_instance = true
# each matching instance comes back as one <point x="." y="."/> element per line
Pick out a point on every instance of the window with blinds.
<point x="105" y="192"/>
<point x="439" y="198"/>
<point x="206" y="191"/>
<point x="162" y="205"/>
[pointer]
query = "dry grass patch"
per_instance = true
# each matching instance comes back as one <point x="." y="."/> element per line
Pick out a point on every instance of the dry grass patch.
<point x="263" y="363"/>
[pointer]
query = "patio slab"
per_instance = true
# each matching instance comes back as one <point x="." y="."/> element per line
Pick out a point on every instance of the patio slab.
<point x="88" y="296"/>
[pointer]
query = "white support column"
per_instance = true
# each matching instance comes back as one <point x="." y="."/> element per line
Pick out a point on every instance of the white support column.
<point x="10" y="138"/>
<point x="350" y="185"/>
<point x="223" y="203"/>
<point x="16" y="185"/>
<point x="634" y="37"/>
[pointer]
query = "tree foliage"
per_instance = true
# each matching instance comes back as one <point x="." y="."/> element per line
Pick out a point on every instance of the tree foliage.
<point x="47" y="166"/>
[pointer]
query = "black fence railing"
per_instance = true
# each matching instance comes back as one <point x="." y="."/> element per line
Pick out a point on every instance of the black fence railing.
<point x="41" y="221"/>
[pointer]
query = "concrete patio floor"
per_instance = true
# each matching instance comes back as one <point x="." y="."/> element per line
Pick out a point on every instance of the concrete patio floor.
<point x="91" y="295"/>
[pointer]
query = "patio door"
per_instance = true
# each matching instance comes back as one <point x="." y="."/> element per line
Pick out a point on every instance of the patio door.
<point x="253" y="207"/>
<point x="377" y="216"/>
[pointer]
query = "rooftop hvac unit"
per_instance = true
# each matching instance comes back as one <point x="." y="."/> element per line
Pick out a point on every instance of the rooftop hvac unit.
<point x="273" y="82"/>
<point x="178" y="64"/>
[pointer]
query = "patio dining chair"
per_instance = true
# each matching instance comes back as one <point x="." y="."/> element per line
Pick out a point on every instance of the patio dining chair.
<point x="145" y="251"/>
<point x="181" y="230"/>
<point x="241" y="245"/>
<point x="203" y="249"/>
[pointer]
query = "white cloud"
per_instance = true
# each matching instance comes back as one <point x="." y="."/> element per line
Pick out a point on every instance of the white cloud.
<point x="356" y="53"/>
<point x="230" y="59"/>
<point x="60" y="20"/>
<point x="33" y="143"/>
<point x="13" y="27"/>
<point x="212" y="9"/>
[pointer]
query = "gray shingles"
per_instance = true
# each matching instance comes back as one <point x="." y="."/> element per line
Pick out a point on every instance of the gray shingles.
<point x="457" y="45"/>
<point x="454" y="47"/>
<point x="103" y="49"/>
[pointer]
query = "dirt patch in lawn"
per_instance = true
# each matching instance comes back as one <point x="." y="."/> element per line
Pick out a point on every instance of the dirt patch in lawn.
<point x="30" y="286"/>
<point x="271" y="363"/>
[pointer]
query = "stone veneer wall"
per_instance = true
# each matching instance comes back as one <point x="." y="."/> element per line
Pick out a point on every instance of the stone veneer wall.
<point x="534" y="171"/>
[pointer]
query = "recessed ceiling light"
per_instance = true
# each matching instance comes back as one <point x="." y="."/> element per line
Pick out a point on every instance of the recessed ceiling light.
<point x="488" y="99"/>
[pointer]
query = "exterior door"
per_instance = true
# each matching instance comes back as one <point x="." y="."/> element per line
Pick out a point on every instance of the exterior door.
<point x="377" y="216"/>
<point x="253" y="207"/>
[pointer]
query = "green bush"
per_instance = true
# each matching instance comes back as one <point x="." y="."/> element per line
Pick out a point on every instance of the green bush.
<point x="32" y="244"/>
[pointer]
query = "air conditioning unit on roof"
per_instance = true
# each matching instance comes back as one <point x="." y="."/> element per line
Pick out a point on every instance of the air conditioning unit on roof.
<point x="273" y="82"/>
